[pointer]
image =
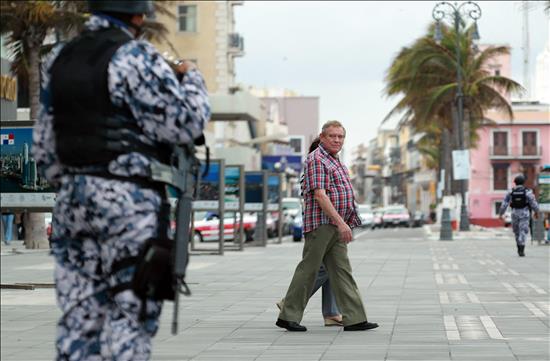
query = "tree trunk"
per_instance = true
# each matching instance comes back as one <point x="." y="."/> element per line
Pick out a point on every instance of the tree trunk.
<point x="35" y="228"/>
<point x="34" y="81"/>
<point x="35" y="231"/>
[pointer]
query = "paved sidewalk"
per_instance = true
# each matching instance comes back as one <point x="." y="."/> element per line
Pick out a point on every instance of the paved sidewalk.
<point x="468" y="299"/>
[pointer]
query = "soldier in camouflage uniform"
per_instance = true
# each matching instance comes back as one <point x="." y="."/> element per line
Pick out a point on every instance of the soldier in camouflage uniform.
<point x="522" y="201"/>
<point x="106" y="210"/>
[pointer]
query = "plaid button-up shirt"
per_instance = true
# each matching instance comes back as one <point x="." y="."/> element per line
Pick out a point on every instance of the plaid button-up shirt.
<point x="323" y="171"/>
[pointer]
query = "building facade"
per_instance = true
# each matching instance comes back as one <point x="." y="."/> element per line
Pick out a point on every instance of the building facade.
<point x="204" y="33"/>
<point x="504" y="150"/>
<point x="509" y="147"/>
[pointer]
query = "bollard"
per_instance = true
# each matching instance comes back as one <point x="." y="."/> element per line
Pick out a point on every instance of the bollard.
<point x="446" y="232"/>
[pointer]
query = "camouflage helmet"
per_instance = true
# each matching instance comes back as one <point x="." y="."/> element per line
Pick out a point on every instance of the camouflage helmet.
<point x="122" y="6"/>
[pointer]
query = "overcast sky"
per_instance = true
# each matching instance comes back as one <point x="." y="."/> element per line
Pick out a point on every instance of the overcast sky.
<point x="341" y="50"/>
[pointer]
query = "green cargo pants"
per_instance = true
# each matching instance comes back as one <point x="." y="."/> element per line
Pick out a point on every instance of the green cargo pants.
<point x="323" y="245"/>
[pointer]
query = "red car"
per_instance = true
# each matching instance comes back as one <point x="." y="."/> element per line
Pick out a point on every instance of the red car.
<point x="207" y="226"/>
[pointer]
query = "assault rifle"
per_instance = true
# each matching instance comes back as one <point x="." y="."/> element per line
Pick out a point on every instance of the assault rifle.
<point x="183" y="175"/>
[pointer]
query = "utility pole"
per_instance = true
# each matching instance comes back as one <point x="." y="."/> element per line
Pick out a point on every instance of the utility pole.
<point x="525" y="47"/>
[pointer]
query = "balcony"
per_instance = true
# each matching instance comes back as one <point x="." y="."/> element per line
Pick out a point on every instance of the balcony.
<point x="236" y="44"/>
<point x="526" y="152"/>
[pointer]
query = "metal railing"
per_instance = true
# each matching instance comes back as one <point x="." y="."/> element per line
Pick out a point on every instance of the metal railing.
<point x="524" y="152"/>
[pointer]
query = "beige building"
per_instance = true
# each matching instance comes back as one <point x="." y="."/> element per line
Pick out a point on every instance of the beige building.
<point x="203" y="32"/>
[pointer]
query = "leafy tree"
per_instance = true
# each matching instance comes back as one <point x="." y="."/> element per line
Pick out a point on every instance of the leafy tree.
<point x="424" y="75"/>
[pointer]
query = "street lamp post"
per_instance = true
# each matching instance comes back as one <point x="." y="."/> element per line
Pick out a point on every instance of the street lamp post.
<point x="441" y="11"/>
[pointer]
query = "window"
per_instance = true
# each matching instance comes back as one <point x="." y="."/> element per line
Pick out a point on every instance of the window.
<point x="187" y="18"/>
<point x="497" y="72"/>
<point x="500" y="177"/>
<point x="500" y="143"/>
<point x="296" y="145"/>
<point x="529" y="143"/>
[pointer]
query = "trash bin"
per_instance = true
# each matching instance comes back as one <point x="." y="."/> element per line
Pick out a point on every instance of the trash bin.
<point x="454" y="225"/>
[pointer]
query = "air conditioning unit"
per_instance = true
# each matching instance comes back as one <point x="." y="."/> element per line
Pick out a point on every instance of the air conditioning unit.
<point x="236" y="41"/>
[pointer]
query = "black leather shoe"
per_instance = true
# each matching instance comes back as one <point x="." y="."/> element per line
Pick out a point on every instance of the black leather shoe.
<point x="361" y="326"/>
<point x="290" y="325"/>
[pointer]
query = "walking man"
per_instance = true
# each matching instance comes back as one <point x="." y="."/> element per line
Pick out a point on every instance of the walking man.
<point x="329" y="216"/>
<point x="110" y="107"/>
<point x="522" y="200"/>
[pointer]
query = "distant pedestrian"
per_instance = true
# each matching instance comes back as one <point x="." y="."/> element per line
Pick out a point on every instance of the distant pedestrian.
<point x="522" y="201"/>
<point x="329" y="215"/>
<point x="7" y="221"/>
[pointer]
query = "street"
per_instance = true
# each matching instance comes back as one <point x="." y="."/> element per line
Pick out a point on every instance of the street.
<point x="468" y="299"/>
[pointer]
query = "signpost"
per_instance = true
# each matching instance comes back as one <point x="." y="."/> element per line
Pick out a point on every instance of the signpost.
<point x="21" y="186"/>
<point x="274" y="200"/>
<point x="461" y="164"/>
<point x="544" y="191"/>
<point x="256" y="201"/>
<point x="234" y="201"/>
<point x="211" y="186"/>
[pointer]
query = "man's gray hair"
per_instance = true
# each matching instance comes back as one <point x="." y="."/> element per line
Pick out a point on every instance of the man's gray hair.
<point x="332" y="123"/>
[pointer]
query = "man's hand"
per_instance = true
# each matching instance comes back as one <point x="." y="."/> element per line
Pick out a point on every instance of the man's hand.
<point x="346" y="235"/>
<point x="185" y="66"/>
<point x="535" y="215"/>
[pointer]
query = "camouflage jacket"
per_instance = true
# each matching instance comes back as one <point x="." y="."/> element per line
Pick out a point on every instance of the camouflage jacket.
<point x="525" y="212"/>
<point x="138" y="77"/>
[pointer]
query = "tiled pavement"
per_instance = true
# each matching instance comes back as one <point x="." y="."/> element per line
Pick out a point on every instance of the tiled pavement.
<point x="468" y="299"/>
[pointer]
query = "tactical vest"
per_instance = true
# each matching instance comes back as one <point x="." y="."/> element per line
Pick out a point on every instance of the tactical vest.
<point x="518" y="197"/>
<point x="89" y="129"/>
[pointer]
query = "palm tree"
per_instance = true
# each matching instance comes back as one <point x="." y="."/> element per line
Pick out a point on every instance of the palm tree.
<point x="424" y="74"/>
<point x="26" y="24"/>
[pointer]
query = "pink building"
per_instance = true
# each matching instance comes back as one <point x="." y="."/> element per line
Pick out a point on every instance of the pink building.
<point x="505" y="150"/>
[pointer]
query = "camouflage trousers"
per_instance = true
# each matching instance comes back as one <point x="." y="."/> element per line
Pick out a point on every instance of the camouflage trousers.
<point x="520" y="226"/>
<point x="96" y="222"/>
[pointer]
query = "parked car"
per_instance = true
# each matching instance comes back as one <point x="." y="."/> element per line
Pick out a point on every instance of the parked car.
<point x="206" y="226"/>
<point x="377" y="214"/>
<point x="366" y="214"/>
<point x="418" y="219"/>
<point x="396" y="216"/>
<point x="292" y="207"/>
<point x="272" y="224"/>
<point x="297" y="228"/>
